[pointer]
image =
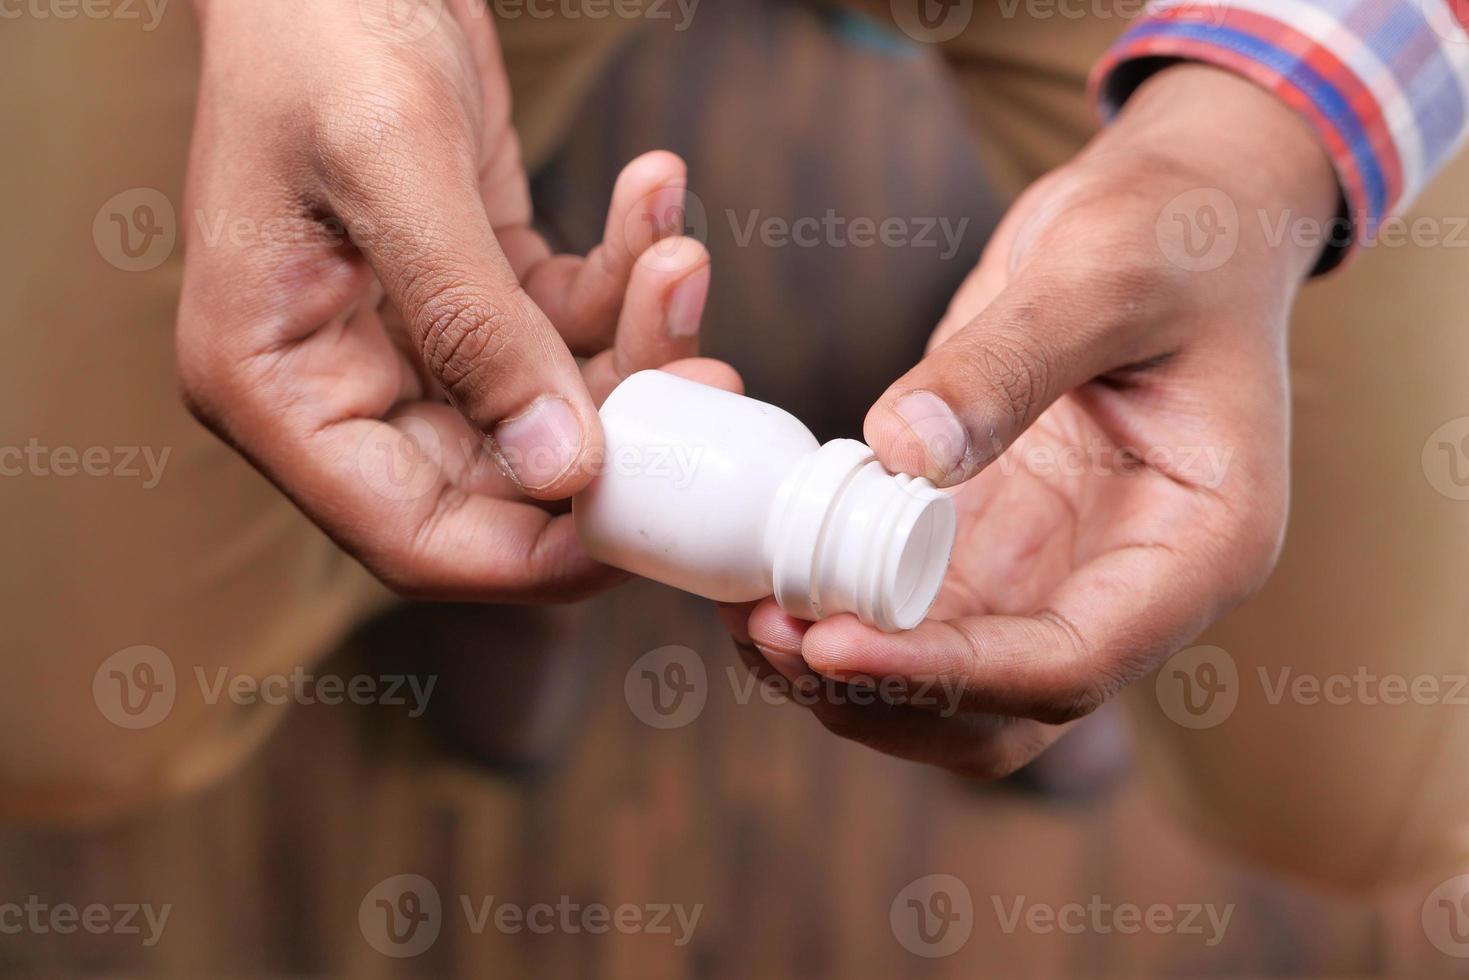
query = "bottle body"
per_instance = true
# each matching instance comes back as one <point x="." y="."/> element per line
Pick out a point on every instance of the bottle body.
<point x="734" y="499"/>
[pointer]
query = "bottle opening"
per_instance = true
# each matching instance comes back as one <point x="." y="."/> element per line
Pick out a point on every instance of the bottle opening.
<point x="922" y="562"/>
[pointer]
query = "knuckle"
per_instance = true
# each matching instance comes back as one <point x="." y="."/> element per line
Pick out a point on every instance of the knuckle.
<point x="463" y="337"/>
<point x="366" y="141"/>
<point x="1015" y="372"/>
<point x="355" y="129"/>
<point x="1074" y="700"/>
<point x="1085" y="682"/>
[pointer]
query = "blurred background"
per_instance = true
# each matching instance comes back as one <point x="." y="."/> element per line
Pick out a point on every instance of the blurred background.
<point x="542" y="772"/>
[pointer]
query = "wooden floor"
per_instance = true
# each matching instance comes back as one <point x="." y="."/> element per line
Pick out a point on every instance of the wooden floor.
<point x="794" y="847"/>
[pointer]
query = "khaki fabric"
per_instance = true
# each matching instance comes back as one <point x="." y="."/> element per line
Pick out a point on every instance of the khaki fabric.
<point x="197" y="555"/>
<point x="216" y="568"/>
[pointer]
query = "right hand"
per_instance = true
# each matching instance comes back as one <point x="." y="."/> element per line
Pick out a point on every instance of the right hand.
<point x="360" y="254"/>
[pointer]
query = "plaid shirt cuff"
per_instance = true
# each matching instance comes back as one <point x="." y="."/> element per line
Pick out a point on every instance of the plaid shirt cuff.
<point x="1385" y="83"/>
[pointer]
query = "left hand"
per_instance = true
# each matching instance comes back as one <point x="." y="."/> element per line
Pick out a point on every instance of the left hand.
<point x="1142" y="411"/>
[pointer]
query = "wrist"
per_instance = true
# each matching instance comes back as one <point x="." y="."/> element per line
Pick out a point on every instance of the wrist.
<point x="1207" y="127"/>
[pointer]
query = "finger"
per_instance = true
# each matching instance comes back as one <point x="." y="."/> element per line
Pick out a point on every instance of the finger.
<point x="708" y="371"/>
<point x="778" y="637"/>
<point x="1106" y="625"/>
<point x="979" y="746"/>
<point x="480" y="336"/>
<point x="964" y="403"/>
<point x="583" y="297"/>
<point x="659" y="321"/>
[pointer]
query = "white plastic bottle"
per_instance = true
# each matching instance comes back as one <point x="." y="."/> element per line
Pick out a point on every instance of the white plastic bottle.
<point x="734" y="500"/>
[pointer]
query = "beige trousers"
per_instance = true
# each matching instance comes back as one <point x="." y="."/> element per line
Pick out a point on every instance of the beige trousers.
<point x="196" y="555"/>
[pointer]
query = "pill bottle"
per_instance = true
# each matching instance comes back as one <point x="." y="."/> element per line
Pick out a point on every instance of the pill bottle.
<point x="734" y="499"/>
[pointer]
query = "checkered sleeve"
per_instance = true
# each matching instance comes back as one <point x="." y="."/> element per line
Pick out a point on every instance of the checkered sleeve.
<point x="1385" y="83"/>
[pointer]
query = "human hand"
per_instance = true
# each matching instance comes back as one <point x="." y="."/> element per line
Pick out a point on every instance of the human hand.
<point x="1142" y="409"/>
<point x="364" y="300"/>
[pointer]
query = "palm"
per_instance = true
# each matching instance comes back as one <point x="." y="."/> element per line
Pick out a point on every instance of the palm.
<point x="1062" y="496"/>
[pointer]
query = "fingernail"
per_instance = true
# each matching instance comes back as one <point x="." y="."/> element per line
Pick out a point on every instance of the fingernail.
<point x="789" y="665"/>
<point x="668" y="209"/>
<point x="686" y="304"/>
<point x="943" y="436"/>
<point x="540" y="444"/>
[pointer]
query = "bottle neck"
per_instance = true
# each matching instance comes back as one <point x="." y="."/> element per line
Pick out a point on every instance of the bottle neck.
<point x="847" y="536"/>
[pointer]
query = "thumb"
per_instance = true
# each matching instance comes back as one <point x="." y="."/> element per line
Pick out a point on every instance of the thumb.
<point x="480" y="336"/>
<point x="973" y="395"/>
